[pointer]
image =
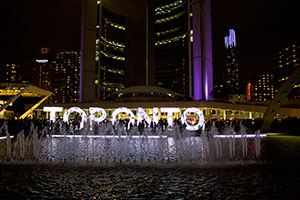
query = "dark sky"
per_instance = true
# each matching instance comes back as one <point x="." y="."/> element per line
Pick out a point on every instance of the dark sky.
<point x="262" y="28"/>
<point x="28" y="26"/>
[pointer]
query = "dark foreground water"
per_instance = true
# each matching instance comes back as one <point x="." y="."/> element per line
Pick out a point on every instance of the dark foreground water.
<point x="185" y="181"/>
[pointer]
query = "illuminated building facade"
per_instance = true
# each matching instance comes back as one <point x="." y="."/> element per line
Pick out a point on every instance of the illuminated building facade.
<point x="43" y="71"/>
<point x="110" y="52"/>
<point x="285" y="62"/>
<point x="231" y="72"/>
<point x="183" y="47"/>
<point x="172" y="45"/>
<point x="261" y="89"/>
<point x="66" y="77"/>
<point x="163" y="43"/>
<point x="11" y="72"/>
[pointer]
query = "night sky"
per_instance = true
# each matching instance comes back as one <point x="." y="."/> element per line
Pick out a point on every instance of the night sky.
<point x="262" y="28"/>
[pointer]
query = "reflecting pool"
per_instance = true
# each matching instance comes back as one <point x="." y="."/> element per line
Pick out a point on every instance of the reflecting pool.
<point x="133" y="181"/>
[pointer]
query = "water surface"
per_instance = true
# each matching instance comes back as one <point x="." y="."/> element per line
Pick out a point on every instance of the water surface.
<point x="152" y="181"/>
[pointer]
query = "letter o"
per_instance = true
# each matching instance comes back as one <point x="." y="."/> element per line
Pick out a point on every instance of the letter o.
<point x="94" y="110"/>
<point x="120" y="110"/>
<point x="200" y="121"/>
<point x="78" y="110"/>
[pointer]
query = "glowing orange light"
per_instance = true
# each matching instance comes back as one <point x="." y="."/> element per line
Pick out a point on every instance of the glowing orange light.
<point x="249" y="91"/>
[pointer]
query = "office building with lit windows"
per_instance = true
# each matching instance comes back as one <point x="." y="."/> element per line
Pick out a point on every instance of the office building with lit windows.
<point x="172" y="45"/>
<point x="110" y="52"/>
<point x="261" y="88"/>
<point x="11" y="72"/>
<point x="159" y="43"/>
<point x="43" y="70"/>
<point x="66" y="76"/>
<point x="231" y="72"/>
<point x="285" y="62"/>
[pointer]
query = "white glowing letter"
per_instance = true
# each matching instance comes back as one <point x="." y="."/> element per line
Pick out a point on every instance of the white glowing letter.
<point x="121" y="110"/>
<point x="141" y="113"/>
<point x="78" y="110"/>
<point x="200" y="119"/>
<point x="155" y="115"/>
<point x="94" y="110"/>
<point x="170" y="112"/>
<point x="52" y="111"/>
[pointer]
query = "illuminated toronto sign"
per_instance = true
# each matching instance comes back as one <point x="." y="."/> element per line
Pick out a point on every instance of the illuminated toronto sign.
<point x="141" y="115"/>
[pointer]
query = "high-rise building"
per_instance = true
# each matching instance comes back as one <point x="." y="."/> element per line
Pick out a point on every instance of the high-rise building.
<point x="66" y="77"/>
<point x="11" y="72"/>
<point x="110" y="52"/>
<point x="149" y="42"/>
<point x="172" y="45"/>
<point x="231" y="72"/>
<point x="43" y="70"/>
<point x="261" y="88"/>
<point x="285" y="62"/>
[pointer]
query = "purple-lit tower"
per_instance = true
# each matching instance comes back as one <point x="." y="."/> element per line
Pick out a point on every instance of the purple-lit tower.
<point x="202" y="50"/>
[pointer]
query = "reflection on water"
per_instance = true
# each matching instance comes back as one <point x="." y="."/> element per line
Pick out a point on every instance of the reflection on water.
<point x="132" y="181"/>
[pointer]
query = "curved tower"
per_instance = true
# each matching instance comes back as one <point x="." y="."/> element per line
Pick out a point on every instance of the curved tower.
<point x="113" y="47"/>
<point x="110" y="52"/>
<point x="172" y="45"/>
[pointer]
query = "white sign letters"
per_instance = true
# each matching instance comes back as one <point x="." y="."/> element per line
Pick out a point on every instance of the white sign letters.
<point x="141" y="114"/>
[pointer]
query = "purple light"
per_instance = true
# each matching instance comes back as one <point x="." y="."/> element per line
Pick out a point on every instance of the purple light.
<point x="145" y="136"/>
<point x="197" y="52"/>
<point x="240" y="136"/>
<point x="197" y="79"/>
<point x="108" y="136"/>
<point x="230" y="41"/>
<point x="208" y="77"/>
<point x="202" y="50"/>
<point x="4" y="137"/>
<point x="232" y="37"/>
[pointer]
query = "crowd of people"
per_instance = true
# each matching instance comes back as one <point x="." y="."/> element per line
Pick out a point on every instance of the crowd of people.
<point x="288" y="125"/>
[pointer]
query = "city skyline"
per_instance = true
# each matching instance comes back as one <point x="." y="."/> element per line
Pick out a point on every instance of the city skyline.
<point x="260" y="31"/>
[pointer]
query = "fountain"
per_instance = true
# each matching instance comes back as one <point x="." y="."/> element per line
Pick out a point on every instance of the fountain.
<point x="105" y="142"/>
